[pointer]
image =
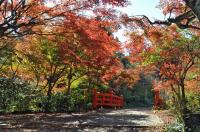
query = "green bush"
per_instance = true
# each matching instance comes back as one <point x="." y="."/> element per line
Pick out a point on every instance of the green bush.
<point x="175" y="127"/>
<point x="16" y="96"/>
<point x="193" y="102"/>
<point x="59" y="102"/>
<point x="76" y="100"/>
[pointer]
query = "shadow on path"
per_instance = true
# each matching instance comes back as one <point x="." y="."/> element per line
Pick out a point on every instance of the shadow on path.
<point x="104" y="120"/>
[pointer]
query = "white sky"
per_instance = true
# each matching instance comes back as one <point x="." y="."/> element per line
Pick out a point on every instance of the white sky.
<point x="144" y="7"/>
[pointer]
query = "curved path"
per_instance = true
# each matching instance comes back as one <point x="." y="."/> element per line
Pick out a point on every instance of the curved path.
<point x="106" y="120"/>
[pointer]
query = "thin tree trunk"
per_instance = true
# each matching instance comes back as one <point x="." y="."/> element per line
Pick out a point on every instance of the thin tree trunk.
<point x="183" y="99"/>
<point x="69" y="77"/>
<point x="69" y="87"/>
<point x="49" y="93"/>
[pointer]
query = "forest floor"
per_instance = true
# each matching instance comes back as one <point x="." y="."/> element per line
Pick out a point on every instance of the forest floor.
<point x="106" y="120"/>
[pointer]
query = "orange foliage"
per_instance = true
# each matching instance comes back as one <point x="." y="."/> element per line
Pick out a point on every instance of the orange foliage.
<point x="172" y="6"/>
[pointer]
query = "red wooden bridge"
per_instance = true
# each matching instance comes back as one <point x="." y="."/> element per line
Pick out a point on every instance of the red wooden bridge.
<point x="111" y="100"/>
<point x="106" y="99"/>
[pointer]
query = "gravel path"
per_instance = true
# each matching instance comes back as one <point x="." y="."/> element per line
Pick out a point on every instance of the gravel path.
<point x="101" y="121"/>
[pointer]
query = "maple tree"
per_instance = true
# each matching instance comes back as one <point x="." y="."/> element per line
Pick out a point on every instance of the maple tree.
<point x="173" y="54"/>
<point x="21" y="17"/>
<point x="169" y="48"/>
<point x="73" y="53"/>
<point x="37" y="17"/>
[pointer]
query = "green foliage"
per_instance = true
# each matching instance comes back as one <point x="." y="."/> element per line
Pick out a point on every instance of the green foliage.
<point x="50" y="50"/>
<point x="193" y="102"/>
<point x="143" y="90"/>
<point x="140" y="95"/>
<point x="193" y="106"/>
<point x="6" y="51"/>
<point x="126" y="63"/>
<point x="152" y="58"/>
<point x="16" y="96"/>
<point x="192" y="75"/>
<point x="75" y="100"/>
<point x="174" y="106"/>
<point x="59" y="102"/>
<point x="175" y="127"/>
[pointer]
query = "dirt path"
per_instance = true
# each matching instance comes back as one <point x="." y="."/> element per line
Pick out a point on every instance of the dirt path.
<point x="101" y="121"/>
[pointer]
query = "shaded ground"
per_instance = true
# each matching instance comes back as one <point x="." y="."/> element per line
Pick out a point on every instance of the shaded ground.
<point x="101" y="121"/>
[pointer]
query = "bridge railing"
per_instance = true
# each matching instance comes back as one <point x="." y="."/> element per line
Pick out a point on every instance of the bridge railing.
<point x="106" y="99"/>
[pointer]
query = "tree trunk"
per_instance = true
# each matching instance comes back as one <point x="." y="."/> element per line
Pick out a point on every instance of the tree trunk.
<point x="69" y="77"/>
<point x="183" y="99"/>
<point x="69" y="87"/>
<point x="194" y="6"/>
<point x="49" y="93"/>
<point x="183" y="107"/>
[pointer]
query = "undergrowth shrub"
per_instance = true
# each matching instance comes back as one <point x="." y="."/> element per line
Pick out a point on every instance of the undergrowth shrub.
<point x="16" y="96"/>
